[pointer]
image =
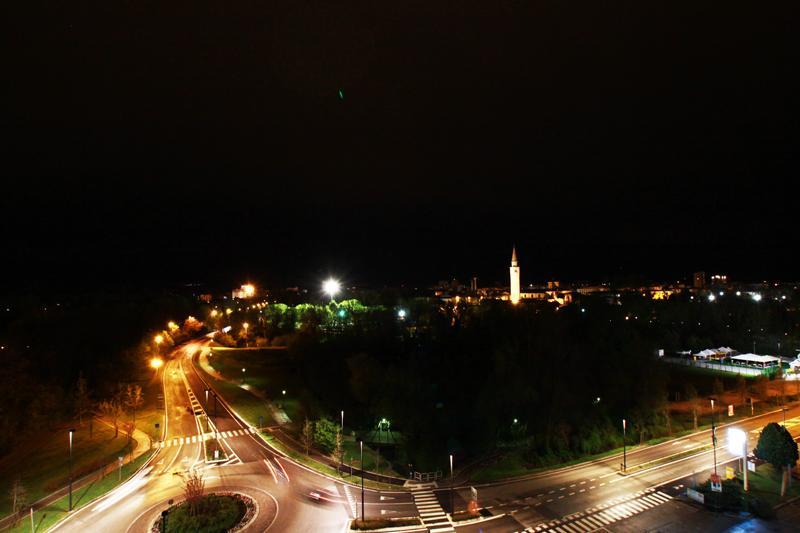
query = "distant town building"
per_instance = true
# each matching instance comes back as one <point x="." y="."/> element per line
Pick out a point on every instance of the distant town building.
<point x="473" y="284"/>
<point x="245" y="291"/>
<point x="699" y="282"/>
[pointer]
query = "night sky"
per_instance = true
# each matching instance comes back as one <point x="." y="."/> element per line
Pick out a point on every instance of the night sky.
<point x="158" y="143"/>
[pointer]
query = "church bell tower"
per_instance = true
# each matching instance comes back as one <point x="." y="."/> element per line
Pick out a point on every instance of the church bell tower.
<point x="514" y="273"/>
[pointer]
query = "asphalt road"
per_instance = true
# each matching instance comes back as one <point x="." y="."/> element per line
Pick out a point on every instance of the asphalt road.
<point x="583" y="497"/>
<point x="280" y="486"/>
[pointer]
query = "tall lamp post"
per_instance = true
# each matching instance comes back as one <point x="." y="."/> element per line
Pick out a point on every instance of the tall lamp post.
<point x="452" y="505"/>
<point x="331" y="287"/>
<point x="71" y="433"/>
<point x="361" y="443"/>
<point x="714" y="436"/>
<point x="342" y="423"/>
<point x="624" y="446"/>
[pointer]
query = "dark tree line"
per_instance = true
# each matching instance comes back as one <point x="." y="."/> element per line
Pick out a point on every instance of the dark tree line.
<point x="64" y="354"/>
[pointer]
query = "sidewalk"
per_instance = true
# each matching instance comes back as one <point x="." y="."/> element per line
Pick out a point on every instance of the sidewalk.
<point x="143" y="445"/>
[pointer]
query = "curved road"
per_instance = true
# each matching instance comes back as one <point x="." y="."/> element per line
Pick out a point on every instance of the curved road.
<point x="279" y="485"/>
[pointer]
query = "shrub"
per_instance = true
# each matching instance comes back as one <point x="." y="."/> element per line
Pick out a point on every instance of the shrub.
<point x="215" y="514"/>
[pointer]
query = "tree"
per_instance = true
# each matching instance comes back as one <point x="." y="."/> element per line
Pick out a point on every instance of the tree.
<point x="762" y="387"/>
<point x="307" y="434"/>
<point x="694" y="401"/>
<point x="338" y="449"/>
<point x="134" y="399"/>
<point x="18" y="495"/>
<point x="718" y="389"/>
<point x="741" y="388"/>
<point x="325" y="434"/>
<point x="113" y="410"/>
<point x="82" y="401"/>
<point x="777" y="447"/>
<point x="193" y="488"/>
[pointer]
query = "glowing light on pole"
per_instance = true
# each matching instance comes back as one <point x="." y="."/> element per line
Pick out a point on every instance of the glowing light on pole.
<point x="737" y="445"/>
<point x="624" y="449"/>
<point x="71" y="433"/>
<point x="714" y="436"/>
<point x="361" y="444"/>
<point x="331" y="287"/>
<point x="156" y="363"/>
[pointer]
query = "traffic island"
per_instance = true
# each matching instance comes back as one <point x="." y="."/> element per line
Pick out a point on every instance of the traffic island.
<point x="215" y="452"/>
<point x="214" y="513"/>
<point x="384" y="524"/>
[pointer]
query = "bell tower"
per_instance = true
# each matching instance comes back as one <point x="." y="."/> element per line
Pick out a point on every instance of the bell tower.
<point x="514" y="274"/>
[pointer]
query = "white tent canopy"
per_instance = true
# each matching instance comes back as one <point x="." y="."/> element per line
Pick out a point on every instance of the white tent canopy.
<point x="753" y="358"/>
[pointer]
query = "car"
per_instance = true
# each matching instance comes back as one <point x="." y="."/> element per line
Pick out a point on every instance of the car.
<point x="315" y="496"/>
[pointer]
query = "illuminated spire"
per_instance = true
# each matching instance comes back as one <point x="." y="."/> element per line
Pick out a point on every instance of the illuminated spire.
<point x="514" y="256"/>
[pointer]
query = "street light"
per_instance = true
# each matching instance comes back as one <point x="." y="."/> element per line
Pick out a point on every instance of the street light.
<point x="361" y="444"/>
<point x="71" y="433"/>
<point x="452" y="505"/>
<point x="624" y="449"/>
<point x="714" y="436"/>
<point x="737" y="445"/>
<point x="331" y="287"/>
<point x="156" y="363"/>
<point x="245" y="326"/>
<point x="243" y="371"/>
<point x="342" y="423"/>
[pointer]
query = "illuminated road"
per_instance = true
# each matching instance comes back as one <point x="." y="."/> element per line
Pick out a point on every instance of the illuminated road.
<point x="583" y="497"/>
<point x="279" y="486"/>
<point x="595" y="495"/>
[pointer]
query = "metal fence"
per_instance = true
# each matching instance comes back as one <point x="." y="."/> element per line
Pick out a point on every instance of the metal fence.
<point x="722" y="367"/>
<point x="425" y="477"/>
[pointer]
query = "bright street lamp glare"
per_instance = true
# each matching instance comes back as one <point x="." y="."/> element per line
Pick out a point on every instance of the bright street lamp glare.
<point x="711" y="298"/>
<point x="159" y="339"/>
<point x="156" y="362"/>
<point x="736" y="441"/>
<point x="331" y="287"/>
<point x="757" y="297"/>
<point x="401" y="313"/>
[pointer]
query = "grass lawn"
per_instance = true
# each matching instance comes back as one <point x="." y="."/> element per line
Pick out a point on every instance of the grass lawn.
<point x="765" y="484"/>
<point x="268" y="372"/>
<point x="42" y="463"/>
<point x="48" y="516"/>
<point x="352" y="450"/>
<point x="247" y="405"/>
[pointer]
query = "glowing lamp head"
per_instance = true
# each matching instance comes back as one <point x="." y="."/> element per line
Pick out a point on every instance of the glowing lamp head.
<point x="401" y="313"/>
<point x="156" y="363"/>
<point x="757" y="297"/>
<point x="213" y="313"/>
<point x="245" y="326"/>
<point x="737" y="439"/>
<point x="158" y="339"/>
<point x="711" y="297"/>
<point x="331" y="287"/>
<point x="249" y="290"/>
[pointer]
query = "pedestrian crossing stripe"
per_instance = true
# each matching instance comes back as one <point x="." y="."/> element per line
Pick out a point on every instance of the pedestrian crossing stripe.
<point x="603" y="515"/>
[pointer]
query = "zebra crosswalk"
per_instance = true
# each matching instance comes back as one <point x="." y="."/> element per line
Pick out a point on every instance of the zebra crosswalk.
<point x="605" y="514"/>
<point x="430" y="512"/>
<point x="192" y="439"/>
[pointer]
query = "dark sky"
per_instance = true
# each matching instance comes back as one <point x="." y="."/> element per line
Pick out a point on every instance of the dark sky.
<point x="156" y="142"/>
